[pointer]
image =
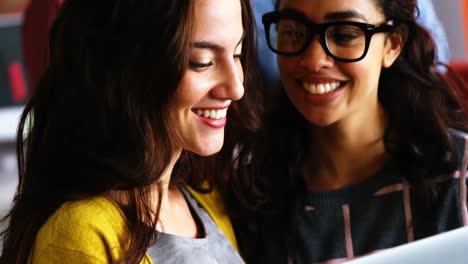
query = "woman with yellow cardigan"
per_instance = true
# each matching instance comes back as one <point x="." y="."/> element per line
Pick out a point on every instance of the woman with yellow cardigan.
<point x="112" y="145"/>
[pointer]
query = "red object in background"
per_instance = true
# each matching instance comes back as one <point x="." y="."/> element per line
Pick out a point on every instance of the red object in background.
<point x="461" y="67"/>
<point x="17" y="82"/>
<point x="38" y="19"/>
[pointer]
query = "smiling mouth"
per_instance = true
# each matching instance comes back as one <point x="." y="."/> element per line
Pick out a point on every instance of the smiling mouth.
<point x="215" y="114"/>
<point x="321" y="88"/>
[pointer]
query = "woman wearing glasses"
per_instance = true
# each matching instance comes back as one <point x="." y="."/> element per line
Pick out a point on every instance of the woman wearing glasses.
<point x="111" y="146"/>
<point x="364" y="148"/>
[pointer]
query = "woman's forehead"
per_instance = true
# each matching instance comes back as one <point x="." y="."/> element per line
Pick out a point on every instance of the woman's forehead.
<point x="322" y="10"/>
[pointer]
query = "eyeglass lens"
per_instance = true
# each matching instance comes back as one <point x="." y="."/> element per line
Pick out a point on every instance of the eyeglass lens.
<point x="342" y="41"/>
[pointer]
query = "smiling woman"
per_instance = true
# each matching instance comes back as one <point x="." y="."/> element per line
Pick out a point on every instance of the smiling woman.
<point x="112" y="146"/>
<point x="214" y="79"/>
<point x="366" y="147"/>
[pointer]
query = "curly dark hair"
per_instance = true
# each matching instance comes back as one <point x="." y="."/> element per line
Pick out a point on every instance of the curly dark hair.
<point x="422" y="106"/>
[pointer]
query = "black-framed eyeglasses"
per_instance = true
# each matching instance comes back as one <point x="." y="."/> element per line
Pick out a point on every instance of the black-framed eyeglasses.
<point x="289" y="34"/>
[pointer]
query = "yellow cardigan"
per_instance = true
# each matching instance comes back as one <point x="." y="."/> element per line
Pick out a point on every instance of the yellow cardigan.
<point x="94" y="231"/>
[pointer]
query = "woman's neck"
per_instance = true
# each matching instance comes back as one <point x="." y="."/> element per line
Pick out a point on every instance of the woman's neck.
<point x="345" y="153"/>
<point x="175" y="216"/>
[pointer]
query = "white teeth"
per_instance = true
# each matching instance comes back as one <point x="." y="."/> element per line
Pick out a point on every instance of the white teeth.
<point x="213" y="113"/>
<point x="320" y="88"/>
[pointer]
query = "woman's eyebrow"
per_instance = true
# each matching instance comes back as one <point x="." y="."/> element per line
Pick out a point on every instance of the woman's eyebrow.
<point x="213" y="46"/>
<point x="207" y="45"/>
<point x="339" y="15"/>
<point x="345" y="15"/>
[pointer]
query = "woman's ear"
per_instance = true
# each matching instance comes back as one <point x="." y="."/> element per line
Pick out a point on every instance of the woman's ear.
<point x="393" y="45"/>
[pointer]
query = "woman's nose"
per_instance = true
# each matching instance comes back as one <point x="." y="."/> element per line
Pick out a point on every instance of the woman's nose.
<point x="231" y="86"/>
<point x="314" y="56"/>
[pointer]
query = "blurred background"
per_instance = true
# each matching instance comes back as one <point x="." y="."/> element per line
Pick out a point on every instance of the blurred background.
<point x="15" y="82"/>
<point x="13" y="93"/>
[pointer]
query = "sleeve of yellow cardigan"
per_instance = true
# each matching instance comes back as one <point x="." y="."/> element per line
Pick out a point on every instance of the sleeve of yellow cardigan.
<point x="91" y="231"/>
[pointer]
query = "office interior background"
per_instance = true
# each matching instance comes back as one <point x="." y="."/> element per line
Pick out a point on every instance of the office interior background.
<point x="14" y="78"/>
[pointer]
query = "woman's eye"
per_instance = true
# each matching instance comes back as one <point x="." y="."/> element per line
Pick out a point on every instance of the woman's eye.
<point x="342" y="37"/>
<point x="199" y="66"/>
<point x="345" y="35"/>
<point x="238" y="56"/>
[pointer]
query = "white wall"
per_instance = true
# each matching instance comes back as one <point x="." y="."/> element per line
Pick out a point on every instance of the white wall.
<point x="451" y="15"/>
<point x="8" y="175"/>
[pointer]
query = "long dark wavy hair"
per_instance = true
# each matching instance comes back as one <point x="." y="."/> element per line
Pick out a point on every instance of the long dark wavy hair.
<point x="420" y="102"/>
<point x="98" y="120"/>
